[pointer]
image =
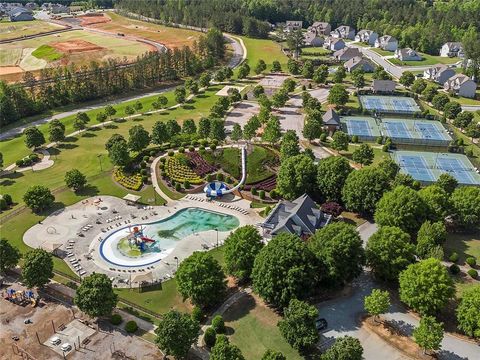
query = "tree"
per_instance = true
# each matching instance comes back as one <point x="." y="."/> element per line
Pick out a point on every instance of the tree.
<point x="381" y="74"/>
<point x="257" y="91"/>
<point x="219" y="76"/>
<point x="331" y="175"/>
<point x="241" y="248"/>
<point x="363" y="155"/>
<point x="293" y="67"/>
<point x="163" y="101"/>
<point x="173" y="128"/>
<point x="193" y="87"/>
<point x="223" y="350"/>
<point x="473" y="131"/>
<point x="101" y="117"/>
<point x="110" y="111"/>
<point x="295" y="41"/>
<point x="419" y="86"/>
<point x="344" y="348"/>
<point x="289" y="85"/>
<point x="429" y="92"/>
<point x="119" y="154"/>
<point x="33" y="137"/>
<point x="390" y="168"/>
<point x="429" y="237"/>
<point x="38" y="198"/>
<point x="437" y="202"/>
<point x="312" y="129"/>
<point x="75" y="180"/>
<point x="463" y="119"/>
<point x="189" y="127"/>
<point x="9" y="256"/>
<point x="429" y="334"/>
<point x="389" y="252"/>
<point x="276" y="66"/>
<point x="377" y="303"/>
<point x="95" y="295"/>
<point x="272" y="131"/>
<point x="265" y="102"/>
<point x="307" y="69"/>
<point x="237" y="133"/>
<point x="289" y="145"/>
<point x="465" y="202"/>
<point x="234" y="95"/>
<point x="1" y="161"/>
<point x="114" y="139"/>
<point x="83" y="117"/>
<point x="338" y="247"/>
<point x="470" y="42"/>
<point x="452" y="109"/>
<point x="447" y="182"/>
<point x="37" y="269"/>
<point x="180" y="95"/>
<point x="468" y="315"/>
<point x="204" y="80"/>
<point x="298" y="325"/>
<point x="201" y="279"/>
<point x="129" y="110"/>
<point x="440" y="100"/>
<point x="260" y="67"/>
<point x="279" y="98"/>
<point x="160" y="133"/>
<point x="320" y="74"/>
<point x="283" y="270"/>
<point x="407" y="79"/>
<point x="243" y="71"/>
<point x="338" y="95"/>
<point x="401" y="207"/>
<point x="363" y="189"/>
<point x="176" y="333"/>
<point x="78" y="124"/>
<point x="217" y="129"/>
<point x="251" y="127"/>
<point x="273" y="355"/>
<point x="296" y="176"/>
<point x="56" y="131"/>
<point x="339" y="75"/>
<point x="340" y="141"/>
<point x="358" y="78"/>
<point x="138" y="138"/>
<point x="426" y="286"/>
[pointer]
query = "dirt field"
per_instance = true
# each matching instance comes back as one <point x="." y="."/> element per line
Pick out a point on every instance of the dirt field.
<point x="170" y="37"/>
<point x="9" y="30"/>
<point x="93" y="19"/>
<point x="76" y="46"/>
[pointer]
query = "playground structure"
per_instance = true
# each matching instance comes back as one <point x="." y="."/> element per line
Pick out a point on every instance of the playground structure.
<point x="218" y="188"/>
<point x="22" y="298"/>
<point x="137" y="238"/>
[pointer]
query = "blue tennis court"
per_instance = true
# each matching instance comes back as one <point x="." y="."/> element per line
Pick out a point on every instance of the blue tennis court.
<point x="416" y="166"/>
<point x="456" y="168"/>
<point x="396" y="129"/>
<point x="364" y="127"/>
<point x="415" y="132"/>
<point x="358" y="127"/>
<point x="431" y="130"/>
<point x="390" y="104"/>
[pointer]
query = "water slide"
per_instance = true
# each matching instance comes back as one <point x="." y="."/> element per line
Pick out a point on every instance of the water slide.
<point x="215" y="189"/>
<point x="147" y="239"/>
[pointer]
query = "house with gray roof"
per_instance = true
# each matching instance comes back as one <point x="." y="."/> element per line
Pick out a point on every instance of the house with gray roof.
<point x="346" y="53"/>
<point x="452" y="49"/>
<point x="320" y="28"/>
<point x="383" y="86"/>
<point x="461" y="85"/>
<point x="344" y="32"/>
<point x="292" y="25"/>
<point x="439" y="73"/>
<point x="407" y="54"/>
<point x="359" y="62"/>
<point x="366" y="36"/>
<point x="331" y="121"/>
<point x="300" y="217"/>
<point x="387" y="43"/>
<point x="20" y="14"/>
<point x="333" y="44"/>
<point x="312" y="39"/>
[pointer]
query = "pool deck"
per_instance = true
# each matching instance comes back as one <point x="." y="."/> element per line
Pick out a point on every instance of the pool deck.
<point x="65" y="225"/>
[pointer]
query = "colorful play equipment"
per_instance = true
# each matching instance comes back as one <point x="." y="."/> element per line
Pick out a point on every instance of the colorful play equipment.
<point x="218" y="188"/>
<point x="136" y="238"/>
<point x="20" y="297"/>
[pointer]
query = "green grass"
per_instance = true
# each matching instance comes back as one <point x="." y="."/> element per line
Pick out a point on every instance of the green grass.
<point x="255" y="329"/>
<point x="467" y="101"/>
<point x="426" y="60"/>
<point x="379" y="155"/>
<point x="382" y="52"/>
<point x="315" y="50"/>
<point x="47" y="52"/>
<point x="464" y="245"/>
<point x="267" y="50"/>
<point x="9" y="30"/>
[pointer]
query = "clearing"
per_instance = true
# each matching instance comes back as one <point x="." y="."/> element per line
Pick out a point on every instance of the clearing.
<point x="266" y="50"/>
<point x="12" y="30"/>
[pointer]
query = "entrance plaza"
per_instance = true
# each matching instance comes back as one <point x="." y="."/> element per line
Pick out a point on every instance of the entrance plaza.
<point x="95" y="235"/>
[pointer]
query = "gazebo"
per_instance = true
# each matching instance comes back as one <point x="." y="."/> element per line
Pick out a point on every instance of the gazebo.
<point x="131" y="199"/>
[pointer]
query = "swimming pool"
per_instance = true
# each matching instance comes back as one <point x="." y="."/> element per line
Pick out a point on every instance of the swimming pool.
<point x="117" y="250"/>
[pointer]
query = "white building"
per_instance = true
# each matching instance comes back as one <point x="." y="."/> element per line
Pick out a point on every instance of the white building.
<point x="367" y="36"/>
<point x="461" y="85"/>
<point x="387" y="43"/>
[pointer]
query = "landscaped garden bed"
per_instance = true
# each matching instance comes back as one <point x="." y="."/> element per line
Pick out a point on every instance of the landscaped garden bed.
<point x="199" y="165"/>
<point x="177" y="168"/>
<point x="129" y="181"/>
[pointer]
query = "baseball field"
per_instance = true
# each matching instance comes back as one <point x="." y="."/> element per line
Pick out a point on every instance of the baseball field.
<point x="11" y="30"/>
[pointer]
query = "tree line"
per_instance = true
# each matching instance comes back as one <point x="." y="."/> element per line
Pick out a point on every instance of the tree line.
<point x="71" y="84"/>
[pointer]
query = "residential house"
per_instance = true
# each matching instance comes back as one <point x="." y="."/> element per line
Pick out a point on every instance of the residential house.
<point x="301" y="217"/>
<point x="383" y="86"/>
<point x="344" y="32"/>
<point x="361" y="63"/>
<point x="452" y="49"/>
<point x="293" y="25"/>
<point x="333" y="44"/>
<point x="439" y="73"/>
<point x="20" y="14"/>
<point x="407" y="54"/>
<point x="461" y="85"/>
<point x="31" y="6"/>
<point x="331" y="121"/>
<point x="59" y="9"/>
<point x="320" y="28"/>
<point x="367" y="36"/>
<point x="387" y="43"/>
<point x="312" y="39"/>
<point x="346" y="53"/>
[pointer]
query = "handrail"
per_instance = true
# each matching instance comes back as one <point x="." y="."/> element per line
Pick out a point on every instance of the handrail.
<point x="244" y="172"/>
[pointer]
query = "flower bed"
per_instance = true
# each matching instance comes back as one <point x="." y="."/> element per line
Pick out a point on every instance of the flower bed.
<point x="176" y="168"/>
<point x="132" y="182"/>
<point x="267" y="184"/>
<point x="199" y="165"/>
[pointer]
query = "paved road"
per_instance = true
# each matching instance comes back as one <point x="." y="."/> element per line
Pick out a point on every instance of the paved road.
<point x="471" y="107"/>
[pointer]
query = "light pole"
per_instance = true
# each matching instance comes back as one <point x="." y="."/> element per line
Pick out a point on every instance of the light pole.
<point x="99" y="156"/>
<point x="176" y="258"/>
<point x="217" y="236"/>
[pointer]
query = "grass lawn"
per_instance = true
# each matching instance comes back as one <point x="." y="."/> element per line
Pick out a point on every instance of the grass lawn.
<point x="467" y="101"/>
<point x="379" y="155"/>
<point x="316" y="51"/>
<point x="253" y="328"/>
<point x="464" y="245"/>
<point x="46" y="52"/>
<point x="426" y="60"/>
<point x="10" y="30"/>
<point x="353" y="218"/>
<point x="382" y="52"/>
<point x="267" y="50"/>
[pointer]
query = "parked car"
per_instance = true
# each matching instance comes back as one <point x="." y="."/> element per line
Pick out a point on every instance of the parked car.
<point x="55" y="340"/>
<point x="66" y="347"/>
<point x="321" y="324"/>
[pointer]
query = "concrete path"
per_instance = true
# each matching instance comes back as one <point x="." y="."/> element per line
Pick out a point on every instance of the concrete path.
<point x="44" y="163"/>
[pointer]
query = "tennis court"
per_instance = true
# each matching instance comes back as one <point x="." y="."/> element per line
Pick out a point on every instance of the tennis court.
<point x="416" y="132"/>
<point x="389" y="104"/>
<point x="427" y="167"/>
<point x="365" y="128"/>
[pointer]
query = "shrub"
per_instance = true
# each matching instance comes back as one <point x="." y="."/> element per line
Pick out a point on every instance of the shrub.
<point x="3" y="204"/>
<point x="215" y="142"/>
<point x="229" y="180"/>
<point x="131" y="326"/>
<point x="385" y="148"/>
<point x="163" y="159"/>
<point x="144" y="172"/>
<point x="209" y="337"/>
<point x="178" y="187"/>
<point x="186" y="184"/>
<point x="132" y="182"/>
<point x="185" y="144"/>
<point x="332" y="208"/>
<point x="379" y="140"/>
<point x="323" y="137"/>
<point x="170" y="153"/>
<point x="355" y="139"/>
<point x="27" y="162"/>
<point x="8" y="199"/>
<point x="143" y="164"/>
<point x="201" y="148"/>
<point x="33" y="157"/>
<point x="191" y="148"/>
<point x="218" y="324"/>
<point x="454" y="269"/>
<point x="161" y="166"/>
<point x="181" y="150"/>
<point x="209" y="177"/>
<point x="213" y="147"/>
<point x="146" y="158"/>
<point x="253" y="190"/>
<point x="19" y="162"/>
<point x="145" y="179"/>
<point x="153" y="152"/>
<point x="220" y="177"/>
<point x="273" y="194"/>
<point x="454" y="257"/>
<point x="116" y="319"/>
<point x="471" y="261"/>
<point x="204" y="142"/>
<point x="261" y="193"/>
<point x="197" y="314"/>
<point x="473" y="273"/>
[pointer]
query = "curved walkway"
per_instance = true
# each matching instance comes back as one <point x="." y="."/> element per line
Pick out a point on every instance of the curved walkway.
<point x="44" y="163"/>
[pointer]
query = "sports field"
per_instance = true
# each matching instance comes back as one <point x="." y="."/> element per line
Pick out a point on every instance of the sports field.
<point x="390" y="104"/>
<point x="168" y="36"/>
<point x="417" y="132"/>
<point x="11" y="30"/>
<point x="364" y="127"/>
<point x="427" y="167"/>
